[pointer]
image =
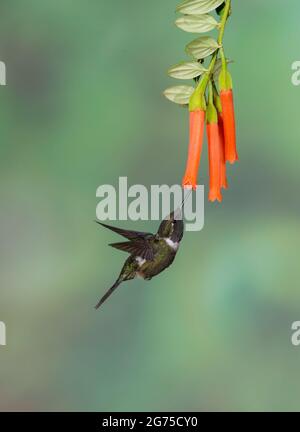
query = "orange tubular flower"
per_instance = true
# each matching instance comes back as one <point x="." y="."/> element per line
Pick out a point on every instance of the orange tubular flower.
<point x="214" y="150"/>
<point x="223" y="177"/>
<point x="218" y="105"/>
<point x="214" y="153"/>
<point x="229" y="125"/>
<point x="226" y="96"/>
<point x="197" y="119"/>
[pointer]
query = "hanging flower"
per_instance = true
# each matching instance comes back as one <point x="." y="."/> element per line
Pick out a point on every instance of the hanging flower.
<point x="214" y="149"/>
<point x="197" y="121"/>
<point x="223" y="176"/>
<point x="223" y="179"/>
<point x="226" y="97"/>
<point x="204" y="99"/>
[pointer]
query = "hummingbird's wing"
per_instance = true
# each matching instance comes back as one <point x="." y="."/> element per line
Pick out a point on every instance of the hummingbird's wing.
<point x="130" y="235"/>
<point x="140" y="248"/>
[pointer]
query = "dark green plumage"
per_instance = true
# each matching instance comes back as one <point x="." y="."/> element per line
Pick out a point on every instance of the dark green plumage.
<point x="150" y="254"/>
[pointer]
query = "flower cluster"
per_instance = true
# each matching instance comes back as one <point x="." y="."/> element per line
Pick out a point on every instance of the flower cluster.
<point x="210" y="100"/>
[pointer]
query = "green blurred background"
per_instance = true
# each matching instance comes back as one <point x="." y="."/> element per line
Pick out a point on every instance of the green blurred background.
<point x="83" y="105"/>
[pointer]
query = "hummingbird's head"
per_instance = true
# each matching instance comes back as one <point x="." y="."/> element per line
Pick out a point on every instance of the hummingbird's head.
<point x="172" y="227"/>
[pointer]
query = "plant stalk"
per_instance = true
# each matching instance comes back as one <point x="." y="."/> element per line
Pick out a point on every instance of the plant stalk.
<point x="201" y="88"/>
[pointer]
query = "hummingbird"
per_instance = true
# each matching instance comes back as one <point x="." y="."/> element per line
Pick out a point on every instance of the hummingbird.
<point x="150" y="254"/>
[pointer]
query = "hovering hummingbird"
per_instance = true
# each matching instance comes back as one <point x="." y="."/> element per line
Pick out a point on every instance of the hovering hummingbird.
<point x="150" y="254"/>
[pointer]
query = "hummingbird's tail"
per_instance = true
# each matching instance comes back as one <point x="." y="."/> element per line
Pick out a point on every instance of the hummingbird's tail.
<point x="109" y="292"/>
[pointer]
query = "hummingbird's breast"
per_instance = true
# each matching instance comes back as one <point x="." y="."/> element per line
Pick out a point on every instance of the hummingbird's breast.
<point x="163" y="257"/>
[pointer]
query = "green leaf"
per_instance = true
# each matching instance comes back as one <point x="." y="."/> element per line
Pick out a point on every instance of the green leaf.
<point x="198" y="7"/>
<point x="179" y="94"/>
<point x="218" y="68"/>
<point x="202" y="47"/>
<point x="197" y="23"/>
<point x="186" y="70"/>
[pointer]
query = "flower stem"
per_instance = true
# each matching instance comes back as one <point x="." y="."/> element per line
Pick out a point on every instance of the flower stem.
<point x="223" y="21"/>
<point x="201" y="88"/>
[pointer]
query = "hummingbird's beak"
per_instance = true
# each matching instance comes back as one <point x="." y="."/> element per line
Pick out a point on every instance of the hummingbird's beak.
<point x="186" y="196"/>
<point x="178" y="212"/>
